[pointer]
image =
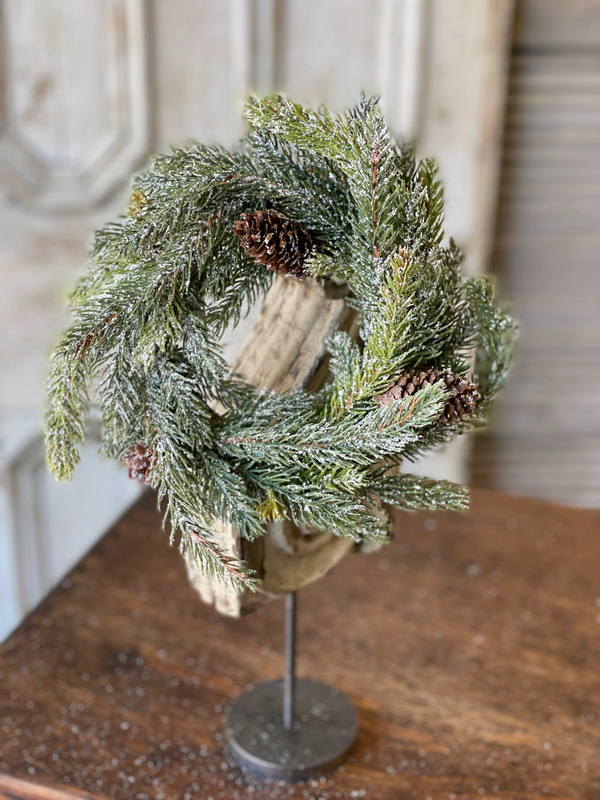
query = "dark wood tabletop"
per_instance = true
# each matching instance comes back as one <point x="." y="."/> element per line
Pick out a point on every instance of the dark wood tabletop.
<point x="470" y="646"/>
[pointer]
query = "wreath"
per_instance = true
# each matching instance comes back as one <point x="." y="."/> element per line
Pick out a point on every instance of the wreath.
<point x="310" y="196"/>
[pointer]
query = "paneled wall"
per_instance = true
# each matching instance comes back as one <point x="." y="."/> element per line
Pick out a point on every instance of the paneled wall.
<point x="90" y="88"/>
<point x="545" y="438"/>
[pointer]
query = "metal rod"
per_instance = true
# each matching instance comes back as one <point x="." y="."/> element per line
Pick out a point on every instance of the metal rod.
<point x="290" y="658"/>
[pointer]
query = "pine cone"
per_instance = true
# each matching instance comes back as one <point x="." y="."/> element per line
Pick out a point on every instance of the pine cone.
<point x="139" y="460"/>
<point x="282" y="245"/>
<point x="464" y="393"/>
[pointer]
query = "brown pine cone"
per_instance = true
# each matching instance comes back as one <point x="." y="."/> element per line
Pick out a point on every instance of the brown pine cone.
<point x="282" y="245"/>
<point x="139" y="461"/>
<point x="464" y="394"/>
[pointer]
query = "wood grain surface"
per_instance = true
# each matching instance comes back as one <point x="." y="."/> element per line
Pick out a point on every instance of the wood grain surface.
<point x="17" y="789"/>
<point x="470" y="647"/>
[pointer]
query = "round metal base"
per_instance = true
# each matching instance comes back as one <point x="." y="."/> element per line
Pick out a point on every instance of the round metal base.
<point x="325" y="728"/>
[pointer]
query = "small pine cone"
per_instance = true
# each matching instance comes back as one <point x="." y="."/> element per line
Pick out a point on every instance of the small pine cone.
<point x="139" y="461"/>
<point x="464" y="394"/>
<point x="282" y="245"/>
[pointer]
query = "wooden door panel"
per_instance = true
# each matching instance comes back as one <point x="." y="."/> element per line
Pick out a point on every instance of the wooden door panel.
<point x="74" y="98"/>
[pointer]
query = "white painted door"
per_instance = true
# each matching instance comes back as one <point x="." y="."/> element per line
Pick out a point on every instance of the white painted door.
<point x="90" y="87"/>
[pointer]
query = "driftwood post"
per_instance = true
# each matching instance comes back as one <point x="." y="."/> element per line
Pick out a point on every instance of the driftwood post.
<point x="285" y="350"/>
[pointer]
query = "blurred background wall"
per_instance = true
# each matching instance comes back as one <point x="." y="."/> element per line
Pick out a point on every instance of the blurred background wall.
<point x="89" y="89"/>
<point x="545" y="434"/>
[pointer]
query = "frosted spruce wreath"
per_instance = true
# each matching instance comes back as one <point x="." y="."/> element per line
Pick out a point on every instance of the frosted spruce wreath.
<point x="312" y="196"/>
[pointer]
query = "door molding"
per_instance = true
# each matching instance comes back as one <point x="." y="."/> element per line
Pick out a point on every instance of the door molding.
<point x="73" y="100"/>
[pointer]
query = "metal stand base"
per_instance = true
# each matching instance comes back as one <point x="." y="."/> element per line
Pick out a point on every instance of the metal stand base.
<point x="324" y="729"/>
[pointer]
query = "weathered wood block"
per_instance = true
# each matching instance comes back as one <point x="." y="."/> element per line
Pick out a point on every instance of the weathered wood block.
<point x="285" y="350"/>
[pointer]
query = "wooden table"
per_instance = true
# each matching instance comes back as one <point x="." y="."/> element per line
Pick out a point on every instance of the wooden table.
<point x="471" y="647"/>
